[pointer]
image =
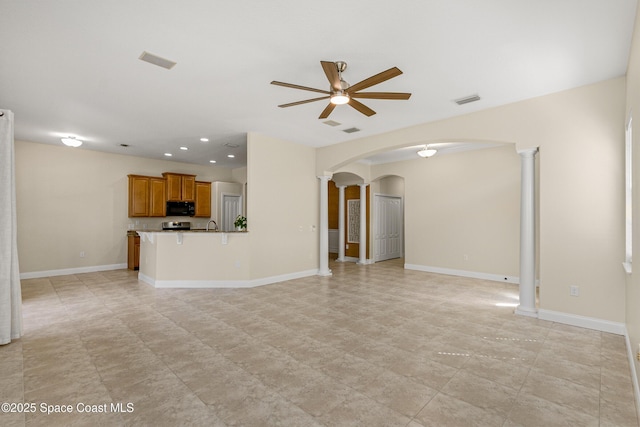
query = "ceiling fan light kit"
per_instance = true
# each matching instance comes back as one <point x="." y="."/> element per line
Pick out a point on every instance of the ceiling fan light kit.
<point x="340" y="92"/>
<point x="340" y="98"/>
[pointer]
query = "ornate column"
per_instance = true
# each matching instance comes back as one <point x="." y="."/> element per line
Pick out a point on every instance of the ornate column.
<point x="341" y="228"/>
<point x="527" y="306"/>
<point x="363" y="224"/>
<point x="323" y="269"/>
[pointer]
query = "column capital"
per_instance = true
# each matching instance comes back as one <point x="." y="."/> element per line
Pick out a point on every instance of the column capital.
<point x="325" y="178"/>
<point x="528" y="152"/>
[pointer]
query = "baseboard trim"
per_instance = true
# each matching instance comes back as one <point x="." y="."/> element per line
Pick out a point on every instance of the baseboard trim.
<point x="583" y="321"/>
<point x="632" y="366"/>
<point x="68" y="271"/>
<point x="464" y="273"/>
<point x="223" y="284"/>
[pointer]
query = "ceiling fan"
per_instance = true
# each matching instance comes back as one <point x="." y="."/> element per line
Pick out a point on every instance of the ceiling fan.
<point x="340" y="92"/>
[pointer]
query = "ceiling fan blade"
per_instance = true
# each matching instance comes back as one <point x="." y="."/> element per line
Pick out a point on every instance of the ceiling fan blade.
<point x="325" y="113"/>
<point x="374" y="80"/>
<point x="381" y="95"/>
<point x="291" y="104"/>
<point x="331" y="71"/>
<point x="361" y="107"/>
<point x="299" y="87"/>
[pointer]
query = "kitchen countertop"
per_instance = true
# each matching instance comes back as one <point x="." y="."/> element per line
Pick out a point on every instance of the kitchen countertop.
<point x="192" y="230"/>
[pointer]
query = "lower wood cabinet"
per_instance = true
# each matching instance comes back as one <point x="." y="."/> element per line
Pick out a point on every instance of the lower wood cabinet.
<point x="133" y="258"/>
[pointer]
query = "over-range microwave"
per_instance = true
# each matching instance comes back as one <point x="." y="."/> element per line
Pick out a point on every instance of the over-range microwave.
<point x="181" y="209"/>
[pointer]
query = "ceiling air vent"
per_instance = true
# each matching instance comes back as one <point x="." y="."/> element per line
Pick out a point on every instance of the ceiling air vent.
<point x="156" y="60"/>
<point x="467" y="99"/>
<point x="351" y="130"/>
<point x="331" y="123"/>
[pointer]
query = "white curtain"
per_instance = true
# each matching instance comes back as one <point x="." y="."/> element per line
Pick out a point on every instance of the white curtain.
<point x="10" y="294"/>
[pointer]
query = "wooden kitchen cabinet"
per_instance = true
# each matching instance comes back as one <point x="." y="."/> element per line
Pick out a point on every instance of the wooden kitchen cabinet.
<point x="203" y="199"/>
<point x="147" y="196"/>
<point x="138" y="195"/>
<point x="157" y="197"/>
<point x="180" y="187"/>
<point x="133" y="259"/>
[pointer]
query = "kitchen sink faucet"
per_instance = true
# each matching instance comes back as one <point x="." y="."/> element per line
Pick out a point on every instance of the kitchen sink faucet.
<point x="214" y="223"/>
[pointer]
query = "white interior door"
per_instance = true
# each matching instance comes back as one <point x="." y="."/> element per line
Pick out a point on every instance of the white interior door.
<point x="388" y="227"/>
<point x="231" y="208"/>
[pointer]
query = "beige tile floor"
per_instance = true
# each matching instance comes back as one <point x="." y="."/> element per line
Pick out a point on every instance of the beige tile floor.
<point x="371" y="346"/>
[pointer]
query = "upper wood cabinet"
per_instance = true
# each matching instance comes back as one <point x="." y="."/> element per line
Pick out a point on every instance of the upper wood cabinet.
<point x="203" y="199"/>
<point x="147" y="196"/>
<point x="180" y="187"/>
<point x="138" y="195"/>
<point x="157" y="197"/>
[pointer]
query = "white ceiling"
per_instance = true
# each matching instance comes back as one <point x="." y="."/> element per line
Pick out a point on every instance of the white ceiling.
<point x="72" y="67"/>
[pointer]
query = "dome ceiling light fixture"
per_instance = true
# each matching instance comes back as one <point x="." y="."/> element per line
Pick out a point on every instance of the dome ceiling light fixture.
<point x="427" y="152"/>
<point x="71" y="141"/>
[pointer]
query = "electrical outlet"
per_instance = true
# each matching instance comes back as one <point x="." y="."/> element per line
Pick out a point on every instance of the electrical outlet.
<point x="81" y="254"/>
<point x="574" y="291"/>
<point x="465" y="257"/>
<point x="347" y="246"/>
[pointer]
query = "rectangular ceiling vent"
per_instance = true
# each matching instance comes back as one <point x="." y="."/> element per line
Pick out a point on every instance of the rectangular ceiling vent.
<point x="331" y="123"/>
<point x="156" y="60"/>
<point x="351" y="130"/>
<point x="467" y="99"/>
<point x="231" y="145"/>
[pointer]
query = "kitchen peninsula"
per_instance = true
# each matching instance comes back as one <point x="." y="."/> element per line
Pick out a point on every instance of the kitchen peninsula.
<point x="195" y="259"/>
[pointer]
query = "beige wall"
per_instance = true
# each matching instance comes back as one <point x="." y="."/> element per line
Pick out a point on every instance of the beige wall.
<point x="580" y="133"/>
<point x="72" y="200"/>
<point x="462" y="204"/>
<point x="282" y="206"/>
<point x="633" y="280"/>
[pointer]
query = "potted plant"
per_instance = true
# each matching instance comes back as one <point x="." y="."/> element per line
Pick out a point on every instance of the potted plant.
<point x="240" y="223"/>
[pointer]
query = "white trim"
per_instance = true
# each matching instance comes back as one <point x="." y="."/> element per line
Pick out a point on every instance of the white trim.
<point x="68" y="271"/>
<point x="463" y="273"/>
<point x="627" y="267"/>
<point x="583" y="321"/>
<point x="632" y="366"/>
<point x="368" y="261"/>
<point x="216" y="284"/>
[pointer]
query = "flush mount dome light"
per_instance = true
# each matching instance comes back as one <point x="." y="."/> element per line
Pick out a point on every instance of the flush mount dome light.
<point x="71" y="141"/>
<point x="339" y="98"/>
<point x="427" y="152"/>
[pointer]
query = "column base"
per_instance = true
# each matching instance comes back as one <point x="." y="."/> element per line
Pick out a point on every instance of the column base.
<point x="526" y="311"/>
<point x="324" y="273"/>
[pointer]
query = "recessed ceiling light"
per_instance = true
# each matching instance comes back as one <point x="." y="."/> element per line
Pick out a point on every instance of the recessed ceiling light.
<point x="204" y="139"/>
<point x="212" y="161"/>
<point x="184" y="148"/>
<point x="231" y="156"/>
<point x="168" y="154"/>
